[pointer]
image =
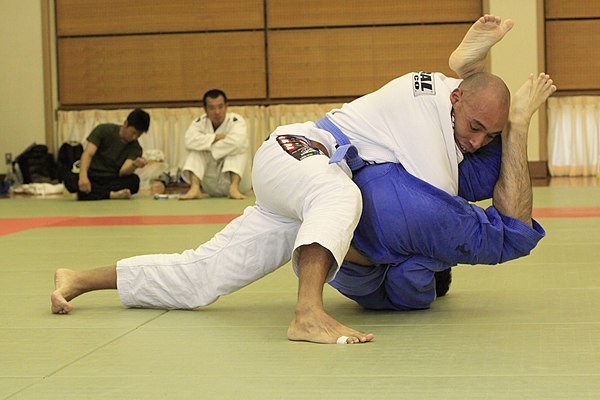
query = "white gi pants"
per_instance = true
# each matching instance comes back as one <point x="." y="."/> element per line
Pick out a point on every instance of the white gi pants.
<point x="297" y="203"/>
<point x="214" y="173"/>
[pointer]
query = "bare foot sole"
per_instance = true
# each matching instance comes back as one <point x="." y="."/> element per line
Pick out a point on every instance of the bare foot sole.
<point x="483" y="34"/>
<point x="319" y="327"/>
<point x="63" y="292"/>
<point x="531" y="95"/>
<point x="123" y="194"/>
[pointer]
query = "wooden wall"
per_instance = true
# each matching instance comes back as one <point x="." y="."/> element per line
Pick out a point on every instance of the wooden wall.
<point x="120" y="52"/>
<point x="573" y="43"/>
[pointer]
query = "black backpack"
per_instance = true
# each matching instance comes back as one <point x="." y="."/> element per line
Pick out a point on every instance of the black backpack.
<point x="36" y="164"/>
<point x="68" y="153"/>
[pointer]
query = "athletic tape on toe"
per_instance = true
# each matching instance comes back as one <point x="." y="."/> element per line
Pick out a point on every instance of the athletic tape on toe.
<point x="342" y="340"/>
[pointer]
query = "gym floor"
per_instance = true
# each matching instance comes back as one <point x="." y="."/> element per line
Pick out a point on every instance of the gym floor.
<point x="526" y="329"/>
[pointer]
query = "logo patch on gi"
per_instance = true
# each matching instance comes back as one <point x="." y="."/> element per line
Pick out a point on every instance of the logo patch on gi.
<point x="423" y="83"/>
<point x="297" y="147"/>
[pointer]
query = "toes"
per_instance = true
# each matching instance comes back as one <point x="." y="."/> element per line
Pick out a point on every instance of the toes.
<point x="342" y="340"/>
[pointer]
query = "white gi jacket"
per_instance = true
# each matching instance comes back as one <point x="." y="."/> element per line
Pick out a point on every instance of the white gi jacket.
<point x="201" y="135"/>
<point x="407" y="121"/>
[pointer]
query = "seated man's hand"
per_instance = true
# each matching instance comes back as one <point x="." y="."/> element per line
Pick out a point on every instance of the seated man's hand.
<point x="140" y="162"/>
<point x="219" y="136"/>
<point x="85" y="185"/>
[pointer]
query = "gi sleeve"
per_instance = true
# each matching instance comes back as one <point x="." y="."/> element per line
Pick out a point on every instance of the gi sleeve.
<point x="236" y="139"/>
<point x="404" y="216"/>
<point x="479" y="171"/>
<point x="197" y="138"/>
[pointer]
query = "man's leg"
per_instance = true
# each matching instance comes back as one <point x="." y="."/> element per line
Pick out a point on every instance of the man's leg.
<point x="292" y="179"/>
<point x="70" y="284"/>
<point x="311" y="322"/>
<point x="513" y="194"/>
<point x="193" y="172"/>
<point x="234" y="188"/>
<point x="195" y="191"/>
<point x="235" y="166"/>
<point x="250" y="247"/>
<point x="123" y="187"/>
<point x="100" y="190"/>
<point x="407" y="285"/>
<point x="469" y="56"/>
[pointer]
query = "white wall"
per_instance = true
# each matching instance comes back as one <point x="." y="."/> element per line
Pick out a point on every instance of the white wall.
<point x="517" y="55"/>
<point x="21" y="76"/>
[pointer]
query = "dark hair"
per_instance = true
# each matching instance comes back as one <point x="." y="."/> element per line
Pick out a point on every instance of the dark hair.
<point x="139" y="119"/>
<point x="443" y="279"/>
<point x="213" y="94"/>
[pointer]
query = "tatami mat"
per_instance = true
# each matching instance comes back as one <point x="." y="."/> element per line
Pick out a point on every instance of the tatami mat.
<point x="528" y="329"/>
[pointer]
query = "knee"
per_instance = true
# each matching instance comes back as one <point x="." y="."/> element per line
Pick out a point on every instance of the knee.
<point x="410" y="288"/>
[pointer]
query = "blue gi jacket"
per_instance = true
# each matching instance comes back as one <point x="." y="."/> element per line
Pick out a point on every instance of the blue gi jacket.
<point x="410" y="229"/>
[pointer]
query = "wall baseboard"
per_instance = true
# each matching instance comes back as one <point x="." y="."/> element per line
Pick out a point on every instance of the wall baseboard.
<point x="538" y="170"/>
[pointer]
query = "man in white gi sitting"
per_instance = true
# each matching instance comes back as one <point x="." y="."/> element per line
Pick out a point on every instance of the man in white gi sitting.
<point x="217" y="146"/>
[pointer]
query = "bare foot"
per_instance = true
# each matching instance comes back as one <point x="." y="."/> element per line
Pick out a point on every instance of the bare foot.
<point x="65" y="291"/>
<point x="123" y="194"/>
<point x="319" y="327"/>
<point x="193" y="194"/>
<point x="235" y="194"/>
<point x="469" y="56"/>
<point x="530" y="96"/>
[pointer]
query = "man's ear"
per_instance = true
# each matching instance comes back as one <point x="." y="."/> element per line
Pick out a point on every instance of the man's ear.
<point x="456" y="95"/>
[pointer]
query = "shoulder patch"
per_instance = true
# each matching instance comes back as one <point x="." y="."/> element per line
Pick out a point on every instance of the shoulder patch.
<point x="234" y="119"/>
<point x="423" y="83"/>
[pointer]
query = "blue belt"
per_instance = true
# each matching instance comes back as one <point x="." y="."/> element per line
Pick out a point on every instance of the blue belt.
<point x="345" y="149"/>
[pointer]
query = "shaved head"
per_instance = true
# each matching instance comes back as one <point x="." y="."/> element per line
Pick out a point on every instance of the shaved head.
<point x="480" y="106"/>
<point x="487" y="85"/>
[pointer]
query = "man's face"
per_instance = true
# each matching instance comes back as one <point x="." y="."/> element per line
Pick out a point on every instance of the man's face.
<point x="478" y="119"/>
<point x="129" y="134"/>
<point x="216" y="110"/>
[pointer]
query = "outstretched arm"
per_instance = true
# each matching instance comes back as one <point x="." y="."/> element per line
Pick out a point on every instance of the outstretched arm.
<point x="469" y="56"/>
<point x="512" y="193"/>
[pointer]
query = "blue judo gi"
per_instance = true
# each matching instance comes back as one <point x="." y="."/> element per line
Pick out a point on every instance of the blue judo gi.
<point x="410" y="230"/>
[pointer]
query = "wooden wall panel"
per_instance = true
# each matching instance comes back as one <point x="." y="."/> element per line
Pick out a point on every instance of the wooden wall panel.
<point x="314" y="13"/>
<point x="572" y="58"/>
<point x="99" y="17"/>
<point x="160" y="68"/>
<point x="355" y="61"/>
<point x="572" y="9"/>
<point x="115" y="52"/>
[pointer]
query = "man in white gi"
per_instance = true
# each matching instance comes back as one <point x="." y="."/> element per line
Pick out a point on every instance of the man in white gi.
<point x="217" y="145"/>
<point x="307" y="206"/>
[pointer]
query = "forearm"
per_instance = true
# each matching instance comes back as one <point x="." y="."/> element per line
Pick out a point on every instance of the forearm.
<point x="84" y="165"/>
<point x="127" y="168"/>
<point x="196" y="139"/>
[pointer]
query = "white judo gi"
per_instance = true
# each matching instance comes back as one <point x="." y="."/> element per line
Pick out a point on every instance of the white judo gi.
<point x="303" y="200"/>
<point x="211" y="161"/>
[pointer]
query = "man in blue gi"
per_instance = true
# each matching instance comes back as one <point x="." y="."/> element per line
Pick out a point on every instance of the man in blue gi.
<point x="411" y="233"/>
